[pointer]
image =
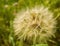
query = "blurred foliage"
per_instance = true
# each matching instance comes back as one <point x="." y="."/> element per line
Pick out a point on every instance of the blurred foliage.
<point x="41" y="45"/>
<point x="8" y="9"/>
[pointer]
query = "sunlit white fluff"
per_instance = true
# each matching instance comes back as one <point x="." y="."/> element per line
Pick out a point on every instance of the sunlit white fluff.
<point x="35" y="24"/>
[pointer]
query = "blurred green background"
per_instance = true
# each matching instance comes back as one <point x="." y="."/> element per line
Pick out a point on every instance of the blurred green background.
<point x="8" y="9"/>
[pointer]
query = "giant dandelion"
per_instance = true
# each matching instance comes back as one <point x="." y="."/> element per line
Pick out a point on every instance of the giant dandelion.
<point x="36" y="25"/>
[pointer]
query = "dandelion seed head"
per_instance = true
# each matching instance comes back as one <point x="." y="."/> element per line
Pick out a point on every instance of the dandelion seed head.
<point x="35" y="23"/>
